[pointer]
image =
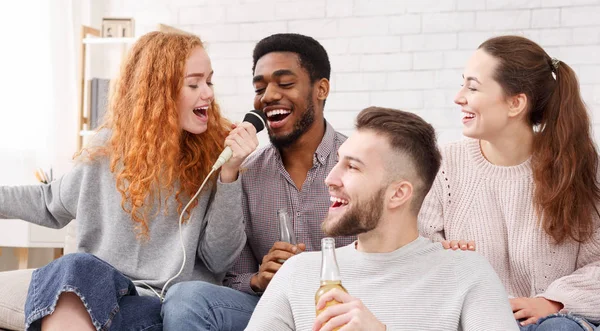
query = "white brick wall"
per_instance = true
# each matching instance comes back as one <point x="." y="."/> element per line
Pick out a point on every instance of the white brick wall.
<point x="405" y="54"/>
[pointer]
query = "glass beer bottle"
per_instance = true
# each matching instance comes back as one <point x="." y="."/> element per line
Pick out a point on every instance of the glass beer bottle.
<point x="286" y="231"/>
<point x="330" y="273"/>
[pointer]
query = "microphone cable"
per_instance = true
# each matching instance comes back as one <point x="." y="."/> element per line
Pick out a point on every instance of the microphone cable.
<point x="258" y="120"/>
<point x="143" y="282"/>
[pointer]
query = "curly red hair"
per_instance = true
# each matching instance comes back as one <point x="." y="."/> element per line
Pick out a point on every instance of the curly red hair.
<point x="149" y="152"/>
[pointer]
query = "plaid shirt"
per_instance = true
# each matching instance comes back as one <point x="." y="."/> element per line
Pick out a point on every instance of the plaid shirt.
<point x="268" y="187"/>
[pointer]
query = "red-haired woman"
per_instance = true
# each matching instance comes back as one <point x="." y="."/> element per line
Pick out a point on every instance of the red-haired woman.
<point x="523" y="186"/>
<point x="127" y="191"/>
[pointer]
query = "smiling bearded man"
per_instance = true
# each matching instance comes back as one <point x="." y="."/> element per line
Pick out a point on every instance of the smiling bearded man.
<point x="396" y="280"/>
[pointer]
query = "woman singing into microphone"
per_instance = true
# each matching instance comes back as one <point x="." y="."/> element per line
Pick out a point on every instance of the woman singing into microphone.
<point x="127" y="190"/>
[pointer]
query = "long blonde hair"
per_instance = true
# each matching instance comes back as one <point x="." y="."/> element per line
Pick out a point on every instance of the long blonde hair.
<point x="149" y="153"/>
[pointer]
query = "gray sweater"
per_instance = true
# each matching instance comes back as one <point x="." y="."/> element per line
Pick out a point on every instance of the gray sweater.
<point x="213" y="237"/>
<point x="419" y="286"/>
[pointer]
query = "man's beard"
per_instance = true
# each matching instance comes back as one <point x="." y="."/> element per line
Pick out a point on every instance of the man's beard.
<point x="300" y="127"/>
<point x="362" y="217"/>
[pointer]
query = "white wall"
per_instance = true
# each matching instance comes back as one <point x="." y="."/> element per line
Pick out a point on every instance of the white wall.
<point x="38" y="117"/>
<point x="397" y="53"/>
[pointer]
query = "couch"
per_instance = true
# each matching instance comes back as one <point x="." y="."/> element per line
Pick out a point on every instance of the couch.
<point x="14" y="285"/>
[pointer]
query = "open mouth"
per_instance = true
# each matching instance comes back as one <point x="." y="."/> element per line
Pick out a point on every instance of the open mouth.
<point x="337" y="202"/>
<point x="468" y="115"/>
<point x="277" y="115"/>
<point x="201" y="111"/>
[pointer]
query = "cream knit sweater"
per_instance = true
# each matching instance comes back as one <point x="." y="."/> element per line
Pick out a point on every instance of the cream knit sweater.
<point x="419" y="286"/>
<point x="472" y="199"/>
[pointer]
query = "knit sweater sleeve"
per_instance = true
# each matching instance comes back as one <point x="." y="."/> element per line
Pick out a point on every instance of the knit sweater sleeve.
<point x="224" y="235"/>
<point x="247" y="264"/>
<point x="431" y="215"/>
<point x="274" y="310"/>
<point x="485" y="302"/>
<point x="52" y="205"/>
<point x="579" y="292"/>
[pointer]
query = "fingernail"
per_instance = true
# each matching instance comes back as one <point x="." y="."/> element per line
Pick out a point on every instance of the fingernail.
<point x="294" y="249"/>
<point x="463" y="246"/>
<point x="455" y="246"/>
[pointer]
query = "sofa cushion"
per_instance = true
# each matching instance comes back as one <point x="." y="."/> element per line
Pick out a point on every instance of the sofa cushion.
<point x="13" y="286"/>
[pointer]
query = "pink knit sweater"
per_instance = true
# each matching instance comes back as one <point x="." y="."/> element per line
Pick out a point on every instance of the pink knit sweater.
<point x="472" y="199"/>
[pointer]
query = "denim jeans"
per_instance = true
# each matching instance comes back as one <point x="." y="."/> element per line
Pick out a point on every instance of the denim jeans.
<point x="110" y="298"/>
<point x="560" y="322"/>
<point x="202" y="306"/>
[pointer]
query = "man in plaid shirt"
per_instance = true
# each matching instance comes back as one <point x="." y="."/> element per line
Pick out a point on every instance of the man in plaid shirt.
<point x="291" y="81"/>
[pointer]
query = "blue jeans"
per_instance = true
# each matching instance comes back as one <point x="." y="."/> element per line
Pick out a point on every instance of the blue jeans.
<point x="198" y="305"/>
<point x="560" y="322"/>
<point x="110" y="298"/>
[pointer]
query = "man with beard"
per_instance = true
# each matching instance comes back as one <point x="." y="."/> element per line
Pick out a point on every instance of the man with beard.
<point x="396" y="280"/>
<point x="291" y="82"/>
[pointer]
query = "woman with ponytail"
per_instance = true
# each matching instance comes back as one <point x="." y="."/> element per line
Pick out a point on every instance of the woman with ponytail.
<point x="141" y="226"/>
<point x="523" y="189"/>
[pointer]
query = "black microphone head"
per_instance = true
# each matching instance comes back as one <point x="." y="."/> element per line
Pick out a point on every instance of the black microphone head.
<point x="257" y="118"/>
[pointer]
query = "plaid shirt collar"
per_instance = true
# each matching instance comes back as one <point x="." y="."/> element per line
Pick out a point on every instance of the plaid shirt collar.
<point x="326" y="147"/>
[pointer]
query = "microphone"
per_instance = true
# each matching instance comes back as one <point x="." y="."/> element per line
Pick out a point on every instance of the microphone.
<point x="255" y="117"/>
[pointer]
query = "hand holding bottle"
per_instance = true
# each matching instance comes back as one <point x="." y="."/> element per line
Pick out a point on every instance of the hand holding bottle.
<point x="270" y="263"/>
<point x="330" y="280"/>
<point x="286" y="230"/>
<point x="335" y="307"/>
<point x="350" y="313"/>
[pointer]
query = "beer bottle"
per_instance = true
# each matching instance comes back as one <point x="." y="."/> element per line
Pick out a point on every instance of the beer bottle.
<point x="330" y="272"/>
<point x="286" y="231"/>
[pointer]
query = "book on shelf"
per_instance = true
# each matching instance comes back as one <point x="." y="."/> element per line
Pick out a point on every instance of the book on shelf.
<point x="99" y="101"/>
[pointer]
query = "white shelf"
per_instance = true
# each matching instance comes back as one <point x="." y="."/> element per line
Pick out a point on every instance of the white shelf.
<point x="18" y="233"/>
<point x="96" y="40"/>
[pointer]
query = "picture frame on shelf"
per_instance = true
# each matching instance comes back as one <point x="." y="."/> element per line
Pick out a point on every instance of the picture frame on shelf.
<point x="117" y="27"/>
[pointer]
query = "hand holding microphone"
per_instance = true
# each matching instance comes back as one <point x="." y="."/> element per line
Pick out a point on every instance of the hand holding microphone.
<point x="240" y="143"/>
